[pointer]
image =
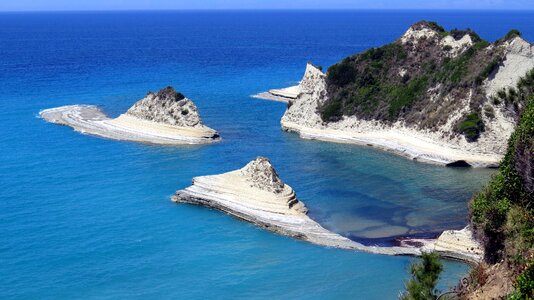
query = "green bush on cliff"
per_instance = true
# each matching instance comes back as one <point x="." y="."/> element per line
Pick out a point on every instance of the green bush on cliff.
<point x="425" y="275"/>
<point x="503" y="213"/>
<point x="341" y="74"/>
<point x="332" y="111"/>
<point x="454" y="70"/>
<point x="404" y="95"/>
<point x="524" y="285"/>
<point x="434" y="26"/>
<point x="471" y="126"/>
<point x="488" y="69"/>
<point x="514" y="97"/>
<point x="512" y="33"/>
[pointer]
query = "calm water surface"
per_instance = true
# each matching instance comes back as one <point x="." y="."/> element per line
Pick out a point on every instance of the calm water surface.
<point x="83" y="217"/>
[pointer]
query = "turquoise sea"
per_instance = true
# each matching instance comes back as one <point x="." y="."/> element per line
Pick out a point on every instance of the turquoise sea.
<point x="88" y="218"/>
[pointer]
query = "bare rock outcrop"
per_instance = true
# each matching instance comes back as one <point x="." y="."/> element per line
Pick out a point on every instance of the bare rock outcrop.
<point x="166" y="117"/>
<point x="261" y="174"/>
<point x="167" y="107"/>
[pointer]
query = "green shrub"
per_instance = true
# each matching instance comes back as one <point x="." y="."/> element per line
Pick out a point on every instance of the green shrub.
<point x="481" y="45"/>
<point x="332" y="111"/>
<point x="471" y="126"/>
<point x="503" y="212"/>
<point x="425" y="274"/>
<point x="488" y="69"/>
<point x="341" y="74"/>
<point x="512" y="33"/>
<point x="458" y="34"/>
<point x="454" y="70"/>
<point x="524" y="284"/>
<point x="519" y="230"/>
<point x="404" y="95"/>
<point x="432" y="25"/>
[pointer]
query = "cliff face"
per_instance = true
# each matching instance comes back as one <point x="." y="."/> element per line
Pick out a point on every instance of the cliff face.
<point x="168" y="107"/>
<point x="449" y="87"/>
<point x="303" y="110"/>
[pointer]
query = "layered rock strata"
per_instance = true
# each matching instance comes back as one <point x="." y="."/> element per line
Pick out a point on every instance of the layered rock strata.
<point x="166" y="117"/>
<point x="256" y="194"/>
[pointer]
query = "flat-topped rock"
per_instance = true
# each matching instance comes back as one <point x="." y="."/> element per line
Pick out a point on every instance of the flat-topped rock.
<point x="166" y="117"/>
<point x="460" y="244"/>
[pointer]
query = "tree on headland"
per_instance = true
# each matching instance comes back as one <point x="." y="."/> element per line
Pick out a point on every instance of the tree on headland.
<point x="425" y="274"/>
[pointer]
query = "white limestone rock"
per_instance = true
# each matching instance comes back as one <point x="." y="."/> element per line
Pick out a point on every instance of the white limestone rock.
<point x="166" y="117"/>
<point x="167" y="107"/>
<point x="519" y="59"/>
<point x="256" y="194"/>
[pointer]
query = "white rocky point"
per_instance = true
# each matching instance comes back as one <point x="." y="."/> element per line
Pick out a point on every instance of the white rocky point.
<point x="440" y="146"/>
<point x="256" y="194"/>
<point x="440" y="143"/>
<point x="166" y="117"/>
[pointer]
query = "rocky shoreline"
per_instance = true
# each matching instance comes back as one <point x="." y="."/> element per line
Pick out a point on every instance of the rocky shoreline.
<point x="440" y="144"/>
<point x="257" y="195"/>
<point x="404" y="142"/>
<point x="166" y="117"/>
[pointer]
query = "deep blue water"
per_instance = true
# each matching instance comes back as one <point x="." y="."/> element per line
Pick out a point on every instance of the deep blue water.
<point x="84" y="217"/>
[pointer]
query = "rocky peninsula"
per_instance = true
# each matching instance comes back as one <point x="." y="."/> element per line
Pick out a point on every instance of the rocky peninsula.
<point x="165" y="117"/>
<point x="255" y="193"/>
<point x="445" y="97"/>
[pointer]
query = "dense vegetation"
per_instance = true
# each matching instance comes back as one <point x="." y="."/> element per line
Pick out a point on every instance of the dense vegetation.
<point x="471" y="126"/>
<point x="425" y="275"/>
<point x="397" y="81"/>
<point x="503" y="213"/>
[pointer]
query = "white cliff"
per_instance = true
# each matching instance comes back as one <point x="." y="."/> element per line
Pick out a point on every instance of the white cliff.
<point x="441" y="145"/>
<point x="166" y="117"/>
